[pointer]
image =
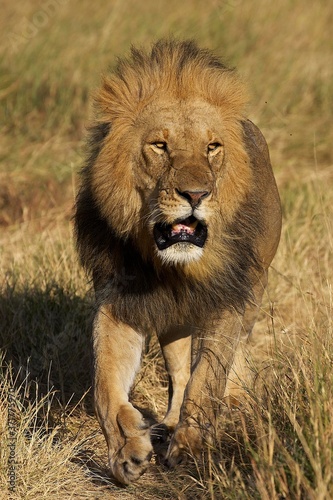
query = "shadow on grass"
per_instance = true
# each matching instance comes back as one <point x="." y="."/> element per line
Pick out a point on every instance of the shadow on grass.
<point x="45" y="334"/>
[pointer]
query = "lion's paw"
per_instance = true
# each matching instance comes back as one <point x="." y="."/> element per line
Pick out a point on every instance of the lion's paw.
<point x="132" y="460"/>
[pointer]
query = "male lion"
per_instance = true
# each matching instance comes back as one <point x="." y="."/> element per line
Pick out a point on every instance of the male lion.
<point x="178" y="218"/>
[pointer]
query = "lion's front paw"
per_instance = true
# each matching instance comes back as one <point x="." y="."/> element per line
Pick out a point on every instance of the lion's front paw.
<point x="185" y="443"/>
<point x="129" y="456"/>
<point x="131" y="461"/>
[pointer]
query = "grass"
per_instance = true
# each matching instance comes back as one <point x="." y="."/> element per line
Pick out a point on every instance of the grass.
<point x="280" y="444"/>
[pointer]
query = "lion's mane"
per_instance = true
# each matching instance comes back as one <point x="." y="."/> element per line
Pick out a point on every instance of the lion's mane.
<point x="107" y="227"/>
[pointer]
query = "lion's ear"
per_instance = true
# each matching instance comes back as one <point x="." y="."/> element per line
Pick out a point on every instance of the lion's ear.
<point x="254" y="141"/>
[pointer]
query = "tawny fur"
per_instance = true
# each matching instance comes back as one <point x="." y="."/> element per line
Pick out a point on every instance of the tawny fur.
<point x="184" y="97"/>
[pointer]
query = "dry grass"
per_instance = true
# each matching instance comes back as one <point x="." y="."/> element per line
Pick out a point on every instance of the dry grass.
<point x="280" y="444"/>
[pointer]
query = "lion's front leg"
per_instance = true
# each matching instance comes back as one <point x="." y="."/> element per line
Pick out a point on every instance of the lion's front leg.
<point x="117" y="353"/>
<point x="205" y="389"/>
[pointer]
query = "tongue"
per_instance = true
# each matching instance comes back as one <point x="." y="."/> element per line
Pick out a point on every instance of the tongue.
<point x="182" y="227"/>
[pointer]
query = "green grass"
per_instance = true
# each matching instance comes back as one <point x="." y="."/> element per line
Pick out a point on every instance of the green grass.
<point x="280" y="445"/>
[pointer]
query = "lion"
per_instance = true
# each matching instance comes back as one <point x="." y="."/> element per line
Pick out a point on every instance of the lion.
<point x="177" y="219"/>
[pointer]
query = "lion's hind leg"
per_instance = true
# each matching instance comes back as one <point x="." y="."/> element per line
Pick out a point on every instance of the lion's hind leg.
<point x="176" y="347"/>
<point x="117" y="355"/>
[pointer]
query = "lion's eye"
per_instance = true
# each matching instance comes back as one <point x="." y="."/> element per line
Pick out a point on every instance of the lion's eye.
<point x="159" y="146"/>
<point x="213" y="146"/>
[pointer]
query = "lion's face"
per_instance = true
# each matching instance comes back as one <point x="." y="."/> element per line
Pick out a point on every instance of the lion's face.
<point x="182" y="154"/>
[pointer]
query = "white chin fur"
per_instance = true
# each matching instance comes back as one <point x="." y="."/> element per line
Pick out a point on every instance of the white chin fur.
<point x="180" y="253"/>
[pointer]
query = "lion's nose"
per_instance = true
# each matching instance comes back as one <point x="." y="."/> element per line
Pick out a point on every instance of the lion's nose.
<point x="193" y="197"/>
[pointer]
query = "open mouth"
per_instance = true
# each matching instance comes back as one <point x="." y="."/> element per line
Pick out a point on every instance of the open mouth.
<point x="188" y="230"/>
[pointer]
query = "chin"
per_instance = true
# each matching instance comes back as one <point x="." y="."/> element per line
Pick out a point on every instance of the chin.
<point x="180" y="254"/>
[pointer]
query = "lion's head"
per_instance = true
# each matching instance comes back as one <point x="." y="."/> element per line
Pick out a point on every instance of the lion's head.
<point x="168" y="169"/>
